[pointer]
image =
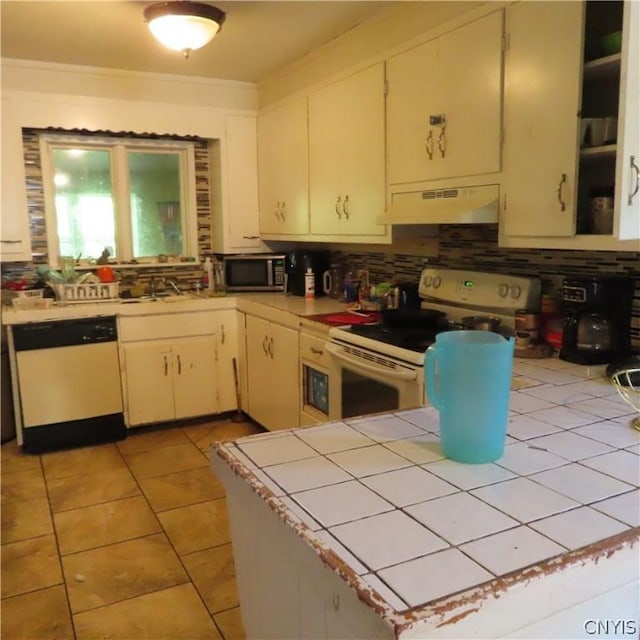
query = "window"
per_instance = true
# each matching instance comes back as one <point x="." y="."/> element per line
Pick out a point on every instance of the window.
<point x="133" y="197"/>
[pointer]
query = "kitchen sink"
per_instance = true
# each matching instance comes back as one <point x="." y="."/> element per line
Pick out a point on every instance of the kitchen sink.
<point x="163" y="297"/>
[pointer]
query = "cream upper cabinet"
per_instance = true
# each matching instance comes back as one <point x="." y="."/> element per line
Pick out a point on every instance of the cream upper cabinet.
<point x="347" y="158"/>
<point x="444" y="105"/>
<point x="234" y="187"/>
<point x="283" y="170"/>
<point x="15" y="243"/>
<point x="552" y="169"/>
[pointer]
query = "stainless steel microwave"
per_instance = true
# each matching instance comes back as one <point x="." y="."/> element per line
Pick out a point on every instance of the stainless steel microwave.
<point x="255" y="272"/>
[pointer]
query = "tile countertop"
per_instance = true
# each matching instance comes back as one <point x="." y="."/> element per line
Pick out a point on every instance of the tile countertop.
<point x="566" y="486"/>
<point x="261" y="303"/>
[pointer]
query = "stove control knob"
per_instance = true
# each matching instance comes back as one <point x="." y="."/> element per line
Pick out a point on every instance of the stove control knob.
<point x="437" y="281"/>
<point x="515" y="291"/>
<point x="503" y="290"/>
<point x="427" y="281"/>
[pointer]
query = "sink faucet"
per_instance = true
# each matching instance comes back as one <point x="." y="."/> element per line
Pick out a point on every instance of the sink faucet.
<point x="173" y="285"/>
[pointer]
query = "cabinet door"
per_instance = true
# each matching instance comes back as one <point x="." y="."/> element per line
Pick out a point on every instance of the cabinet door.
<point x="272" y="374"/>
<point x="227" y="352"/>
<point x="347" y="155"/>
<point x="283" y="169"/>
<point x="284" y="354"/>
<point x="194" y="379"/>
<point x="14" y="222"/>
<point x="627" y="220"/>
<point x="149" y="382"/>
<point x="259" y="380"/>
<point x="470" y="63"/>
<point x="542" y="100"/>
<point x="444" y="105"/>
<point x="240" y="206"/>
<point x="413" y="78"/>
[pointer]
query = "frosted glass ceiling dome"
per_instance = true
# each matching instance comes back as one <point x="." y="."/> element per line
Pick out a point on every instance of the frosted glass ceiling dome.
<point x="183" y="25"/>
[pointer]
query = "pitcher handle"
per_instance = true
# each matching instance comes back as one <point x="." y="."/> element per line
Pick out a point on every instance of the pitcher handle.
<point x="430" y="361"/>
<point x="326" y="282"/>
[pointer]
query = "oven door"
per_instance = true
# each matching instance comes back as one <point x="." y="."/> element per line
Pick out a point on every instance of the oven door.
<point x="362" y="382"/>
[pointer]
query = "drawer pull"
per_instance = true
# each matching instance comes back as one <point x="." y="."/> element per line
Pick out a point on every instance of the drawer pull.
<point x="317" y="352"/>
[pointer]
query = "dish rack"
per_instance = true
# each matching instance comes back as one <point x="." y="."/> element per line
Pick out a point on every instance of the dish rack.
<point x="627" y="384"/>
<point x="92" y="292"/>
<point x="26" y="299"/>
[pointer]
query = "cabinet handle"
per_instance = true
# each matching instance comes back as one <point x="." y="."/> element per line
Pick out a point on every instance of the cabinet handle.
<point x="634" y="167"/>
<point x="179" y="364"/>
<point x="271" y="348"/>
<point x="265" y="342"/>
<point x="345" y="207"/>
<point x="250" y="237"/>
<point x="166" y="366"/>
<point x="338" y="208"/>
<point x="442" y="141"/>
<point x="11" y="241"/>
<point x="278" y="210"/>
<point x="563" y="206"/>
<point x="316" y="351"/>
<point x="222" y="336"/>
<point x="428" y="145"/>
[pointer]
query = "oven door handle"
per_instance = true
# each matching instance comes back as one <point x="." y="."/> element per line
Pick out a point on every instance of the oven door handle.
<point x="396" y="375"/>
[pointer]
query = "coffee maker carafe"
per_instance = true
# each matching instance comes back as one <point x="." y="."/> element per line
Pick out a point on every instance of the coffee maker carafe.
<point x="597" y="325"/>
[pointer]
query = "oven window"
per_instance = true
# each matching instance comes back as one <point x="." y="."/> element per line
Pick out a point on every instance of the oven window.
<point x="316" y="389"/>
<point x="362" y="395"/>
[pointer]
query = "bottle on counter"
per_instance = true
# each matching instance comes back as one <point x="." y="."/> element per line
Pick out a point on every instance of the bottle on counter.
<point x="309" y="284"/>
<point x="207" y="277"/>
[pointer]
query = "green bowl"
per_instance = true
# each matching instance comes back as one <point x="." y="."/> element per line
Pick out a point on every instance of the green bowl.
<point x="611" y="43"/>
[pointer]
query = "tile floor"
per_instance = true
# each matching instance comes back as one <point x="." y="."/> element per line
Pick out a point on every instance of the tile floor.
<point x="122" y="540"/>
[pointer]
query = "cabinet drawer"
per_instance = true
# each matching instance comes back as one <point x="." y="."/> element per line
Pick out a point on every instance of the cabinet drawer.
<point x="312" y="349"/>
<point x="174" y="325"/>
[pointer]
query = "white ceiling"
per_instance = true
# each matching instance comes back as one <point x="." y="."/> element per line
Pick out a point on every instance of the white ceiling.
<point x="257" y="39"/>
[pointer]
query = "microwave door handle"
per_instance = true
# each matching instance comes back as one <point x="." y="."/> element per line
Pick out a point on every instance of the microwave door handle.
<point x="270" y="273"/>
<point x="396" y="375"/>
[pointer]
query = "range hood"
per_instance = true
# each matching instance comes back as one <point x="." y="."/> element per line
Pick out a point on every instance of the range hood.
<point x="453" y="205"/>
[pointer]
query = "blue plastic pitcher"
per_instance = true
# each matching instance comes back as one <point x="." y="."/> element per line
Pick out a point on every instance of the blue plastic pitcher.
<point x="468" y="380"/>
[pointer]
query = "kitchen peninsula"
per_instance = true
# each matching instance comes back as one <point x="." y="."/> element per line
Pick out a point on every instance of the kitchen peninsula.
<point x="366" y="531"/>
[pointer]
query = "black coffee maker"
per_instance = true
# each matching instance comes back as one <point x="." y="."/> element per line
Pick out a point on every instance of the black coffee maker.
<point x="597" y="325"/>
<point x="297" y="264"/>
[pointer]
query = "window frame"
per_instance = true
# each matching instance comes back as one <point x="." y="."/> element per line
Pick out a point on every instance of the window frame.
<point x="120" y="188"/>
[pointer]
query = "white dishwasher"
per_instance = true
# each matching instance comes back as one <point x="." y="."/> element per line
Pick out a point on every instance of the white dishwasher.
<point x="69" y="390"/>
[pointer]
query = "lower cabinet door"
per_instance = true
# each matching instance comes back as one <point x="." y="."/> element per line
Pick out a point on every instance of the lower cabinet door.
<point x="194" y="377"/>
<point x="149" y="382"/>
<point x="227" y="332"/>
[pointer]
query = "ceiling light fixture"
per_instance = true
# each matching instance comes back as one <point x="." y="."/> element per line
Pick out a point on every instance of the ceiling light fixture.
<point x="183" y="25"/>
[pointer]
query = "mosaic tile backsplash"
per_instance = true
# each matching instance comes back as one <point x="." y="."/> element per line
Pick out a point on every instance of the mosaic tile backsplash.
<point x="461" y="246"/>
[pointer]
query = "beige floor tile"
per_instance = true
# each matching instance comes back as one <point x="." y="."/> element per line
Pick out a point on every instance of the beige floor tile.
<point x="24" y="519"/>
<point x="146" y="440"/>
<point x="119" y="571"/>
<point x="97" y="525"/>
<point x="23" y="485"/>
<point x="230" y="624"/>
<point x="39" y="615"/>
<point x="171" y="614"/>
<point x="12" y="458"/>
<point x="159" y="462"/>
<point x="227" y="431"/>
<point x="76" y="462"/>
<point x="82" y="491"/>
<point x="197" y="526"/>
<point x="29" y="565"/>
<point x="182" y="488"/>
<point x="214" y="576"/>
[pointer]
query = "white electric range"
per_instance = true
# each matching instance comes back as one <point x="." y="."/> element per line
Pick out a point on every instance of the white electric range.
<point x="379" y="368"/>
